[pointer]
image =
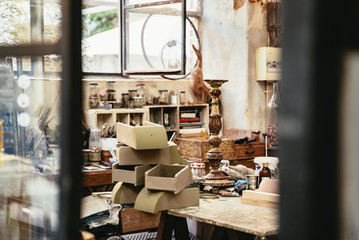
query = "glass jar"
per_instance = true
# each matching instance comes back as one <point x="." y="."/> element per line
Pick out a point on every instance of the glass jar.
<point x="272" y="116"/>
<point x="132" y="93"/>
<point x="110" y="93"/>
<point x="198" y="170"/>
<point x="95" y="139"/>
<point x="173" y="98"/>
<point x="182" y="97"/>
<point x="102" y="97"/>
<point x="105" y="156"/>
<point x="86" y="156"/>
<point x="95" y="156"/>
<point x="93" y="98"/>
<point x="141" y="90"/>
<point x="116" y="104"/>
<point x="110" y="84"/>
<point x="138" y="102"/>
<point x="163" y="97"/>
<point x="125" y="100"/>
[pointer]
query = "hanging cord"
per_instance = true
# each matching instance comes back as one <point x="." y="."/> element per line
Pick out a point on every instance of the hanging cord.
<point x="148" y="60"/>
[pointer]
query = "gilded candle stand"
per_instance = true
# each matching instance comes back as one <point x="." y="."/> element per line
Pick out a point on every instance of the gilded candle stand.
<point x="216" y="178"/>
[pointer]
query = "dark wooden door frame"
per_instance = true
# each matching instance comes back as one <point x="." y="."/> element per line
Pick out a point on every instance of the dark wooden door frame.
<point x="316" y="35"/>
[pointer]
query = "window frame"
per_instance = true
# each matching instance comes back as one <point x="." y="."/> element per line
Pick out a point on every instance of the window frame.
<point x="123" y="8"/>
<point x="69" y="47"/>
<point x="194" y="14"/>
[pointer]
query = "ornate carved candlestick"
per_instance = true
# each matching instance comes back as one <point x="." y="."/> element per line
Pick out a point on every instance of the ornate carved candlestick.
<point x="215" y="177"/>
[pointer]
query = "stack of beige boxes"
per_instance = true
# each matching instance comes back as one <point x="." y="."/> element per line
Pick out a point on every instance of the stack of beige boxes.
<point x="150" y="172"/>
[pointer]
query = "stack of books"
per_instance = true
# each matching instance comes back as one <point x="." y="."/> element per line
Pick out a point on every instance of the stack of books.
<point x="190" y="123"/>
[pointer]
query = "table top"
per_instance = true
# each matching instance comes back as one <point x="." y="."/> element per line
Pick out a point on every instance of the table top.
<point x="229" y="212"/>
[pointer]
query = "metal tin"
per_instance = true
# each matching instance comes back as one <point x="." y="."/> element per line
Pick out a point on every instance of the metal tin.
<point x="252" y="181"/>
<point x="95" y="156"/>
<point x="86" y="156"/>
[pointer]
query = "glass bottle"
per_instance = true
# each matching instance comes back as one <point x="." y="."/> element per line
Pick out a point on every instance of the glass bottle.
<point x="272" y="116"/>
<point x="264" y="172"/>
<point x="93" y="98"/>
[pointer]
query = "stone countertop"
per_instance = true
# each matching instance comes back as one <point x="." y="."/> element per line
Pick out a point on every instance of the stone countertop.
<point x="231" y="213"/>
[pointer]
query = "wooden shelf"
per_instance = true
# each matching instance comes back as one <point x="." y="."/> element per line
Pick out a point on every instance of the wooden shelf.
<point x="97" y="117"/>
<point x="156" y="114"/>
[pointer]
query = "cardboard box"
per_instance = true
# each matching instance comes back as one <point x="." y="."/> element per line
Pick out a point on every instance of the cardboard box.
<point x="155" y="201"/>
<point x="165" y="177"/>
<point x="148" y="136"/>
<point x="125" y="193"/>
<point x="175" y="156"/>
<point x="129" y="156"/>
<point x="134" y="220"/>
<point x="130" y="174"/>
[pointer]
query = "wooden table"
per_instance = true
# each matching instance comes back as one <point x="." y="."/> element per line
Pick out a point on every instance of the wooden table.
<point x="225" y="214"/>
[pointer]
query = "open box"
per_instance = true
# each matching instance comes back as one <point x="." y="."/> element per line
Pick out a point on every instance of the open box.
<point x="130" y="174"/>
<point x="125" y="193"/>
<point x="155" y="201"/>
<point x="148" y="136"/>
<point x="128" y="156"/>
<point x="165" y="177"/>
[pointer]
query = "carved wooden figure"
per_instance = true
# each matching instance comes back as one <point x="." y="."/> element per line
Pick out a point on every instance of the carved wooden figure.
<point x="197" y="83"/>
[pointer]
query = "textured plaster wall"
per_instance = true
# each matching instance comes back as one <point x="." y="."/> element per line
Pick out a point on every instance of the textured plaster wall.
<point x="229" y="41"/>
<point x="257" y="37"/>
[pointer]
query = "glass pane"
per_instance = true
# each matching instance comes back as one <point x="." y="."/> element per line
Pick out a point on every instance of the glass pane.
<point x="191" y="39"/>
<point x="52" y="63"/>
<point x="29" y="153"/>
<point x="14" y="22"/>
<point x="18" y="26"/>
<point x="101" y="39"/>
<point x="154" y="38"/>
<point x="52" y="21"/>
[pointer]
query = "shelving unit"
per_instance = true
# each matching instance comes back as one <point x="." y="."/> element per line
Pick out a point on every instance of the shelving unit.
<point x="97" y="117"/>
<point x="159" y="113"/>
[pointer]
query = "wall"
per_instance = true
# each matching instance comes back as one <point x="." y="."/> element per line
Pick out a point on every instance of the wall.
<point x="230" y="38"/>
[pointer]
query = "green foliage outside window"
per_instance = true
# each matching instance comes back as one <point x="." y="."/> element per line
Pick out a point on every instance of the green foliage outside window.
<point x="100" y="22"/>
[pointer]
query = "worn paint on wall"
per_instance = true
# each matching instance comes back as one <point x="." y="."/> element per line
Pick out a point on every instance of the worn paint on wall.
<point x="230" y="38"/>
<point x="237" y="4"/>
<point x="257" y="35"/>
<point x="225" y="54"/>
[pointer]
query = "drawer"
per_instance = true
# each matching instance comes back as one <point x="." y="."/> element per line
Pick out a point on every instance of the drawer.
<point x="251" y="150"/>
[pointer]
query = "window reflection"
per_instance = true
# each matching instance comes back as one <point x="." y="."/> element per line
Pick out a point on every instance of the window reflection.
<point x="29" y="122"/>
